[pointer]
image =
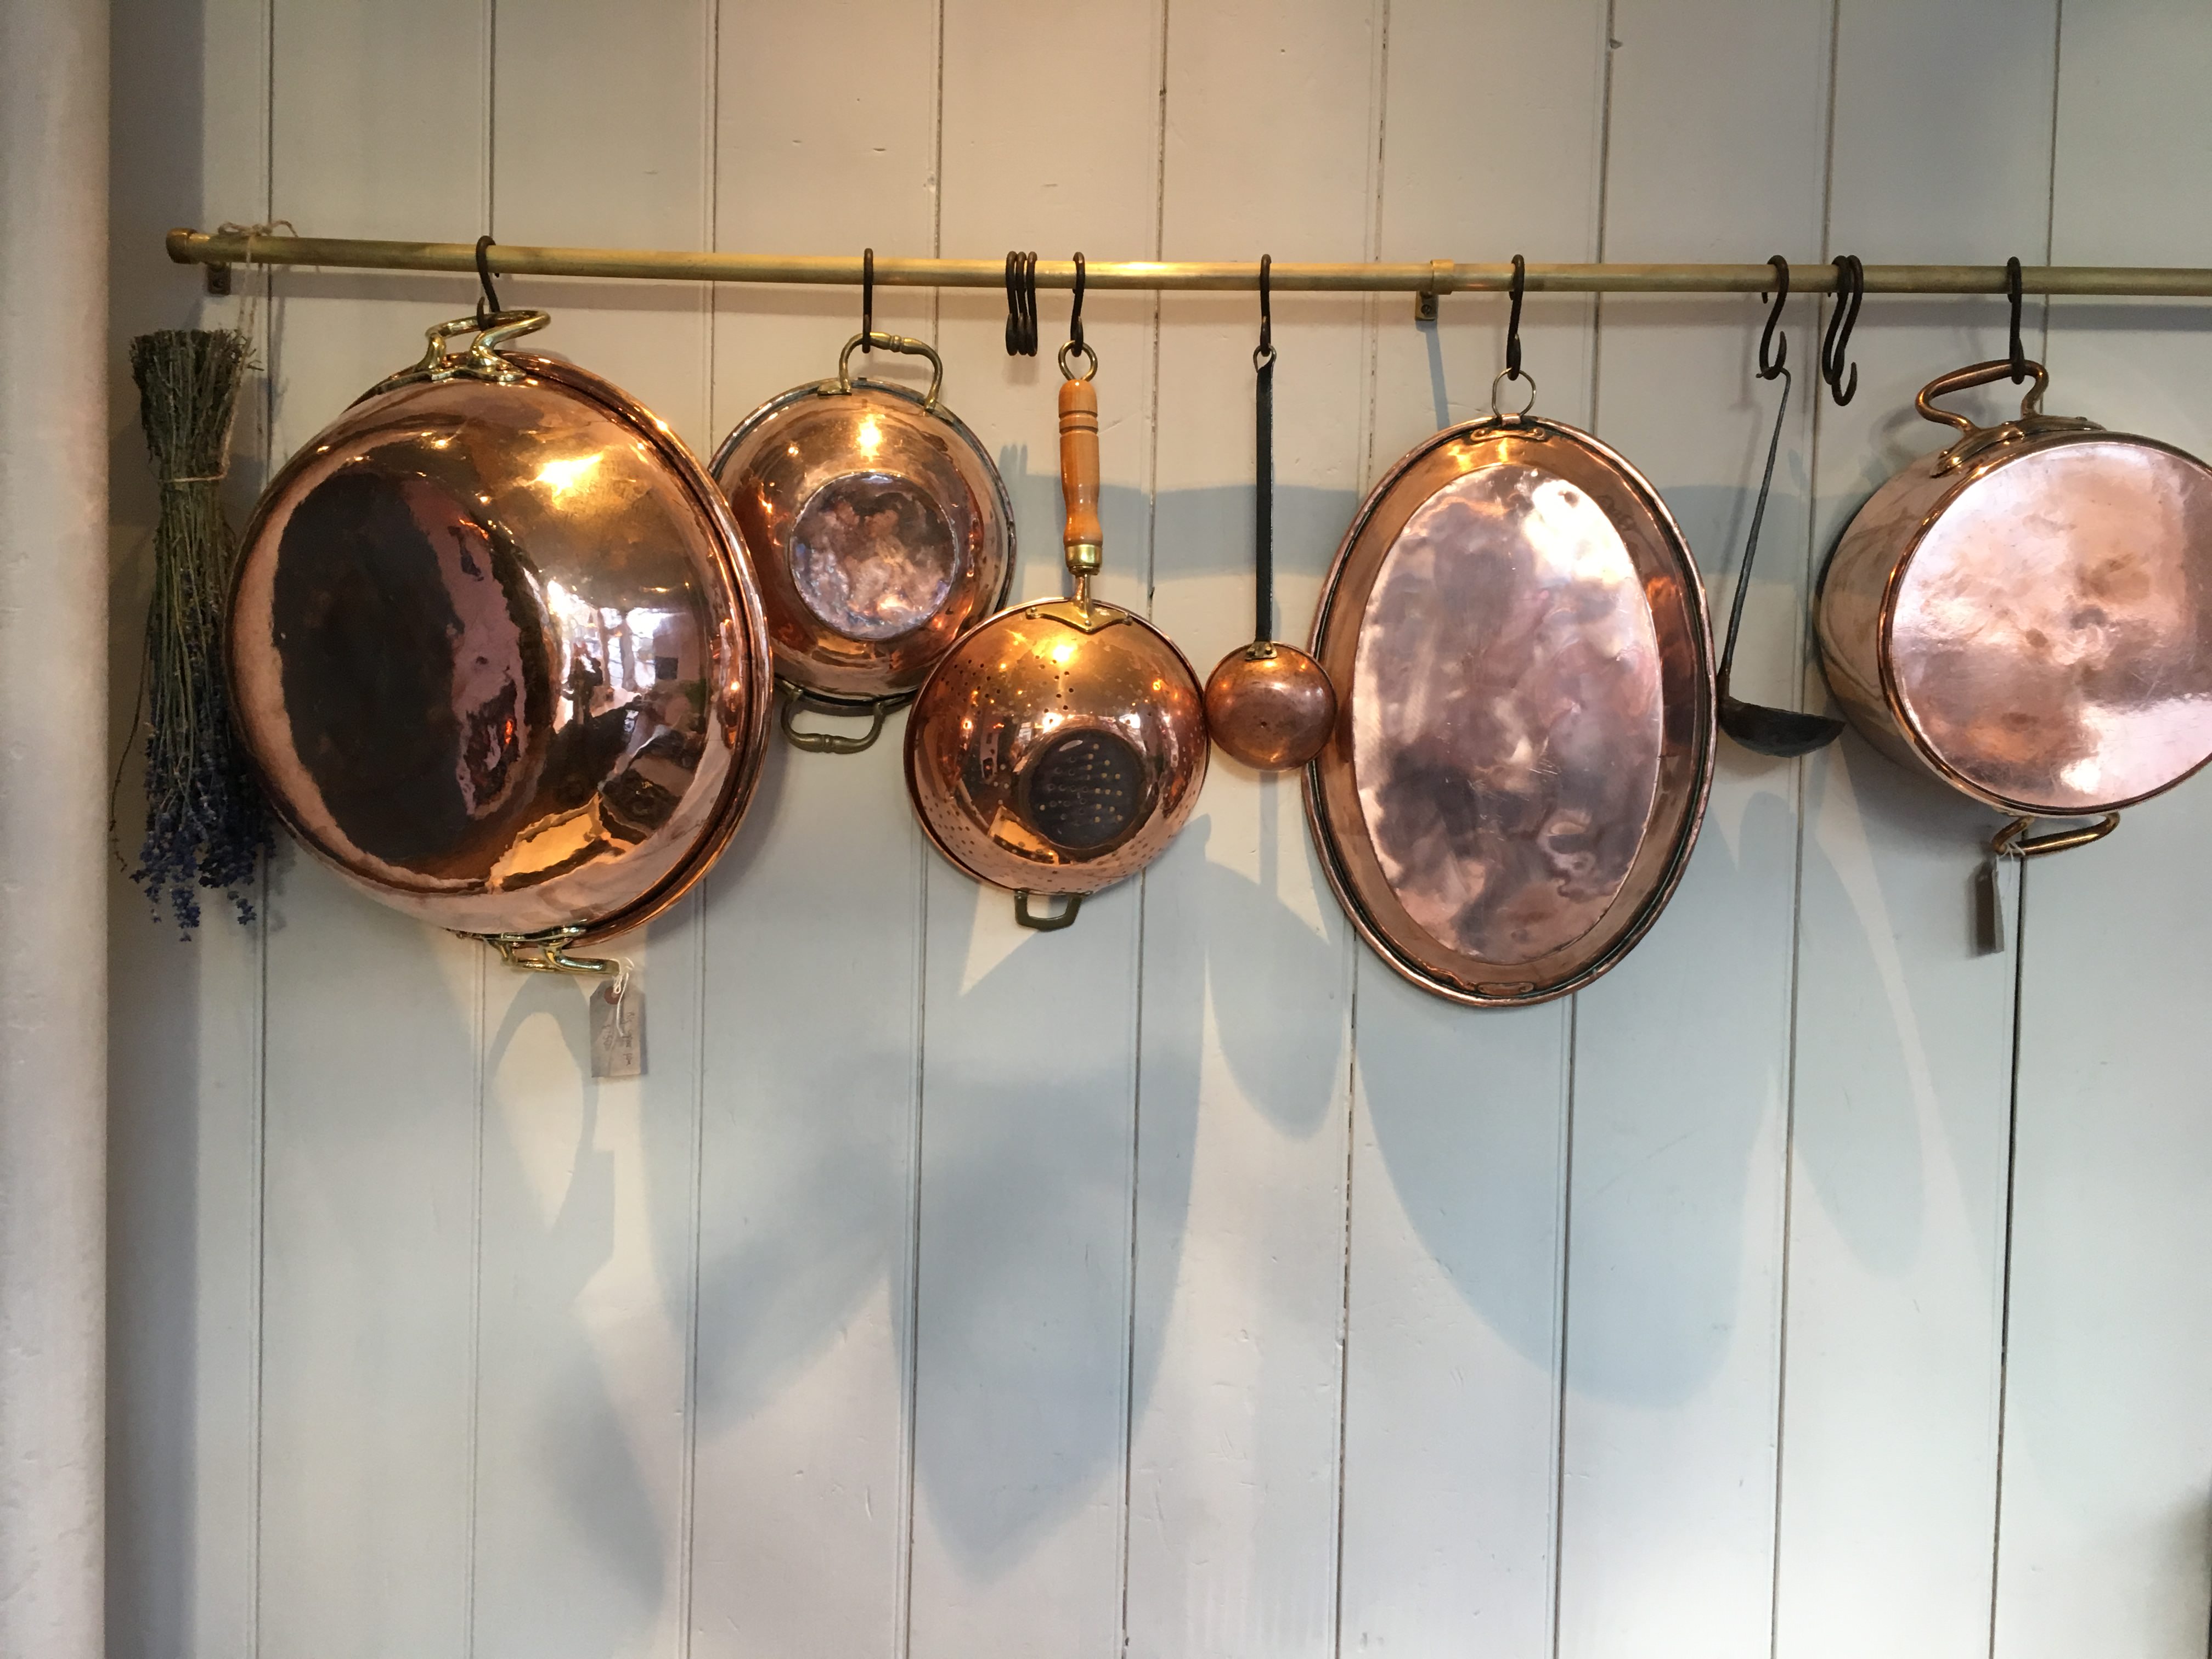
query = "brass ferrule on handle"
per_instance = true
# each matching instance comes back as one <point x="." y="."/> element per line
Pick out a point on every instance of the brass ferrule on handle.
<point x="1078" y="482"/>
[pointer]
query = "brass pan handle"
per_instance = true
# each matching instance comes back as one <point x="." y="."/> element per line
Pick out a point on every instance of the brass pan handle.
<point x="1045" y="921"/>
<point x="911" y="347"/>
<point x="833" y="743"/>
<point x="496" y="330"/>
<point x="2014" y="840"/>
<point x="438" y="334"/>
<point x="1974" y="374"/>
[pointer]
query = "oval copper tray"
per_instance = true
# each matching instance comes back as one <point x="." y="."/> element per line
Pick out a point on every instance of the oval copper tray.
<point x="1517" y="635"/>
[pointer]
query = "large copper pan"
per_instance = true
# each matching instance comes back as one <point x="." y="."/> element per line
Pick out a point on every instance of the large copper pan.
<point x="1059" y="746"/>
<point x="2027" y="615"/>
<point x="880" y="531"/>
<point x="496" y="651"/>
<point x="1524" y="740"/>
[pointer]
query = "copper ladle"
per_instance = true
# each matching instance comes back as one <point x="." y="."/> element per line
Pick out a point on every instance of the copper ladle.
<point x="1757" y="726"/>
<point x="1267" y="704"/>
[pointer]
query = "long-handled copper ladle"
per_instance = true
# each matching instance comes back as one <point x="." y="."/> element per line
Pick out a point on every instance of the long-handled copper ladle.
<point x="1267" y="704"/>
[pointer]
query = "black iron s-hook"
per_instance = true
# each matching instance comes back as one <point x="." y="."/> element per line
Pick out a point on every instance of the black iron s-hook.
<point x="488" y="301"/>
<point x="1513" y="319"/>
<point x="1075" y="312"/>
<point x="1264" y="353"/>
<point x="1850" y="294"/>
<point x="1021" y="304"/>
<point x="1770" y="366"/>
<point x="2012" y="294"/>
<point x="867" y="301"/>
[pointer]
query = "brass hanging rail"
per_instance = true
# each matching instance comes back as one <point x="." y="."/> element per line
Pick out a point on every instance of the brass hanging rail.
<point x="1433" y="277"/>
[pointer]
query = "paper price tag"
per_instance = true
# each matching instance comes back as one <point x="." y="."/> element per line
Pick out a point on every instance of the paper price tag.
<point x="617" y="1028"/>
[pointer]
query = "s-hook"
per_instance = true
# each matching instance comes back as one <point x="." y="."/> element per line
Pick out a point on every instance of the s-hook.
<point x="1769" y="367"/>
<point x="487" y="306"/>
<point x="2012" y="295"/>
<point x="1021" y="304"/>
<point x="867" y="302"/>
<point x="1512" y="371"/>
<point x="1075" y="346"/>
<point x="1758" y="727"/>
<point x="1850" y="294"/>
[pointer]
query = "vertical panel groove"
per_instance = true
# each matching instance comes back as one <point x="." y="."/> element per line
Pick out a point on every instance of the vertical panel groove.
<point x="263" y="330"/>
<point x="1564" y="1276"/>
<point x="1798" y="770"/>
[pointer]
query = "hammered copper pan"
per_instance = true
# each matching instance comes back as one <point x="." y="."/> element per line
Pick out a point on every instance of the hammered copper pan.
<point x="1525" y="735"/>
<point x="2027" y="615"/>
<point x="880" y="532"/>
<point x="496" y="651"/>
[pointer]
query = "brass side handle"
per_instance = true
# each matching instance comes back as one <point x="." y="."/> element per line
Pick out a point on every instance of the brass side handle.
<point x="1974" y="374"/>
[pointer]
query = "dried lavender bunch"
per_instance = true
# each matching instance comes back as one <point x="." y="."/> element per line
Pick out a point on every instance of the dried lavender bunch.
<point x="206" y="823"/>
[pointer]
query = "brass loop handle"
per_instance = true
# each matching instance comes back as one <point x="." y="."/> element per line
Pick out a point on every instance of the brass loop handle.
<point x="496" y="330"/>
<point x="438" y="334"/>
<point x="912" y="348"/>
<point x="832" y="743"/>
<point x="1066" y="353"/>
<point x="1974" y="374"/>
<point x="1042" y="921"/>
<point x="2013" y="839"/>
<point x="548" y="953"/>
<point x="1499" y="385"/>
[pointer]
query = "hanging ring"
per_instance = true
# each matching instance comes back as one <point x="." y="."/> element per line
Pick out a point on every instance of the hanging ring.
<point x="2019" y="356"/>
<point x="1499" y="385"/>
<point x="1850" y="294"/>
<point x="1067" y="355"/>
<point x="1264" y="353"/>
<point x="1513" y="328"/>
<point x="1769" y="367"/>
<point x="488" y="304"/>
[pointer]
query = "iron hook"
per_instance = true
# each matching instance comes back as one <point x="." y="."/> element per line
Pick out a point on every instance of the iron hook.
<point x="1769" y="367"/>
<point x="488" y="305"/>
<point x="1265" y="353"/>
<point x="1021" y="304"/>
<point x="2013" y="295"/>
<point x="867" y="301"/>
<point x="1850" y="294"/>
<point x="1075" y="313"/>
<point x="1513" y="319"/>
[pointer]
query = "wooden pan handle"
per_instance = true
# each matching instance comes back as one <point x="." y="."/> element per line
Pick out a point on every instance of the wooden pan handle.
<point x="1078" y="474"/>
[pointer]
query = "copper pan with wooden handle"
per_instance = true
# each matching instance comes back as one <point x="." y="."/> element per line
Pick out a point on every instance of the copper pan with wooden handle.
<point x="1060" y="745"/>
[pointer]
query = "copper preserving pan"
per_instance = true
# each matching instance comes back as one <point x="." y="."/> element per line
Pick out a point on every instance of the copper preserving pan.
<point x="1525" y="738"/>
<point x="496" y="651"/>
<point x="1059" y="746"/>
<point x="2027" y="615"/>
<point x="879" y="531"/>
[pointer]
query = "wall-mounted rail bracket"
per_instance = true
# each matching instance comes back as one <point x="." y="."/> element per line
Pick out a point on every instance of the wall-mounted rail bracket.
<point x="218" y="280"/>
<point x="1442" y="273"/>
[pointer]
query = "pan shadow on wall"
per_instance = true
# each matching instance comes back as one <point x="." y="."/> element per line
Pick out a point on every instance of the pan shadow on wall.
<point x="1451" y="1092"/>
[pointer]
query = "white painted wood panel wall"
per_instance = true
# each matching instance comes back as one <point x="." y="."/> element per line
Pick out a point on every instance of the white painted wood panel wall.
<point x="1185" y="1284"/>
